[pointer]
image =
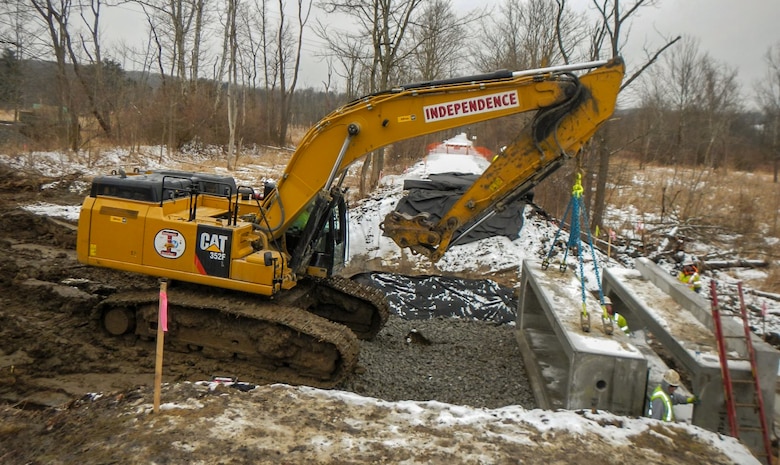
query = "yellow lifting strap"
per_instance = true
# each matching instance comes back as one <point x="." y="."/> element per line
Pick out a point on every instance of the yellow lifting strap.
<point x="577" y="189"/>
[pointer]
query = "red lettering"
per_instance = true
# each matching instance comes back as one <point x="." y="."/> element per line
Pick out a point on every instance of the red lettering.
<point x="474" y="105"/>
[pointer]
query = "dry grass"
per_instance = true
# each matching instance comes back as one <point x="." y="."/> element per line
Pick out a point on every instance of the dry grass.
<point x="730" y="202"/>
<point x="734" y="210"/>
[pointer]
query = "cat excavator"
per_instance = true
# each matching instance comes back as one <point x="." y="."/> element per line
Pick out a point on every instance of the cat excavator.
<point x="255" y="272"/>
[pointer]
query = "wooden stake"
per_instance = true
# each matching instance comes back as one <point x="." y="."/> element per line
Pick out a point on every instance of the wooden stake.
<point x="161" y="328"/>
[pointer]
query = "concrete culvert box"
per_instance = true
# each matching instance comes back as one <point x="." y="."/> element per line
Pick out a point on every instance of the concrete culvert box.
<point x="569" y="368"/>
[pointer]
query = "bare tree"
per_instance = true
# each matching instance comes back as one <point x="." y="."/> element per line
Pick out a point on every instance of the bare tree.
<point x="231" y="49"/>
<point x="94" y="89"/>
<point x="768" y="99"/>
<point x="349" y="55"/>
<point x="289" y="45"/>
<point x="56" y="18"/>
<point x="719" y="106"/>
<point x="262" y="62"/>
<point x="10" y="80"/>
<point x="15" y="33"/>
<point x="525" y="34"/>
<point x="608" y="36"/>
<point x="701" y="97"/>
<point x="439" y="42"/>
<point x="271" y="52"/>
<point x="683" y="81"/>
<point x="386" y="24"/>
<point x="178" y="31"/>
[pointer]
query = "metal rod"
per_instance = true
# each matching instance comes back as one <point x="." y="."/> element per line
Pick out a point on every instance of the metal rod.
<point x="489" y="215"/>
<point x="352" y="130"/>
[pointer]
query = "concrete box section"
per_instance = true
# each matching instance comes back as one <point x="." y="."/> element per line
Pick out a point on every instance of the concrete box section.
<point x="569" y="368"/>
<point x="680" y="322"/>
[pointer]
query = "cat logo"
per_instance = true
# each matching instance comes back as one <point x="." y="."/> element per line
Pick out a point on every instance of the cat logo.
<point x="214" y="244"/>
<point x="212" y="255"/>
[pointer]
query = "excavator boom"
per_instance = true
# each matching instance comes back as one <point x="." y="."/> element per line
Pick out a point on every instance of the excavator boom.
<point x="557" y="132"/>
<point x="372" y="122"/>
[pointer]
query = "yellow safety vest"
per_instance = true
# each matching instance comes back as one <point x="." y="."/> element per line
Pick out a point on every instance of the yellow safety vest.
<point x="621" y="322"/>
<point x="668" y="410"/>
<point x="692" y="280"/>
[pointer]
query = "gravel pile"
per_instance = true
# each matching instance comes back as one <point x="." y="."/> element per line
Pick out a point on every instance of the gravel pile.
<point x="464" y="362"/>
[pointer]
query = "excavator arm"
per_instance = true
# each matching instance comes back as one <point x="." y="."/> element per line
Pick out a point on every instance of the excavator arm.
<point x="556" y="133"/>
<point x="570" y="109"/>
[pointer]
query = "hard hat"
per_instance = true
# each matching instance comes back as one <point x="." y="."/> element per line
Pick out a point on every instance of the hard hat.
<point x="688" y="261"/>
<point x="672" y="378"/>
<point x="607" y="300"/>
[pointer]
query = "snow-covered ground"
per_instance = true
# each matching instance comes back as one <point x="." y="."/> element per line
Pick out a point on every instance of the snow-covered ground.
<point x="367" y="242"/>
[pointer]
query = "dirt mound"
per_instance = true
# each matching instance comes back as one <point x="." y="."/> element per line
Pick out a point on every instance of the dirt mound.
<point x="280" y="424"/>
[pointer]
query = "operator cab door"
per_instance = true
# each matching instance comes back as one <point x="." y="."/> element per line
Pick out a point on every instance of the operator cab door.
<point x="330" y="248"/>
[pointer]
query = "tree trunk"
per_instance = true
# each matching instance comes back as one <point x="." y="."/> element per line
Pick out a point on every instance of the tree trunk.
<point x="601" y="179"/>
<point x="364" y="175"/>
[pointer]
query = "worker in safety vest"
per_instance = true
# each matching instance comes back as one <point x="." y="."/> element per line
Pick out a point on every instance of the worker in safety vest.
<point x="664" y="397"/>
<point x="617" y="318"/>
<point x="689" y="275"/>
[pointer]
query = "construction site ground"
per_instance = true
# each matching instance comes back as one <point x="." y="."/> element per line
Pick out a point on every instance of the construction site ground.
<point x="69" y="393"/>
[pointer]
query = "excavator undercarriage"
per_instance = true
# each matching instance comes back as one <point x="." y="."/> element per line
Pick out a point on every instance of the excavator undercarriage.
<point x="280" y="340"/>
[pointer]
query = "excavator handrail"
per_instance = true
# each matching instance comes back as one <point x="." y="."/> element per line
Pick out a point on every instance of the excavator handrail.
<point x="561" y="68"/>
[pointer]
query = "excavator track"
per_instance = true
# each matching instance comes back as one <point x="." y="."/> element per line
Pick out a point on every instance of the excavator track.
<point x="285" y="343"/>
<point x="361" y="308"/>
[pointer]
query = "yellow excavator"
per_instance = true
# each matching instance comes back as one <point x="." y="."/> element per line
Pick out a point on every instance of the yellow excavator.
<point x="259" y="270"/>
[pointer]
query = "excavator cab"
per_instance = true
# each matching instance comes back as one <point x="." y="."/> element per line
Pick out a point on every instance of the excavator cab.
<point x="320" y="248"/>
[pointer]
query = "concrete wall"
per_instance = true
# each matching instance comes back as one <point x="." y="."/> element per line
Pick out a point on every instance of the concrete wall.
<point x="569" y="368"/>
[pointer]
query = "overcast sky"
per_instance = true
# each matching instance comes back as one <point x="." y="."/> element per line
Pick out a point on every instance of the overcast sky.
<point x="736" y="33"/>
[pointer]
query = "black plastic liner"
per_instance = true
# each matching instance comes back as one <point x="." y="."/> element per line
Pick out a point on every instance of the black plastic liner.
<point x="426" y="297"/>
<point x="439" y="192"/>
